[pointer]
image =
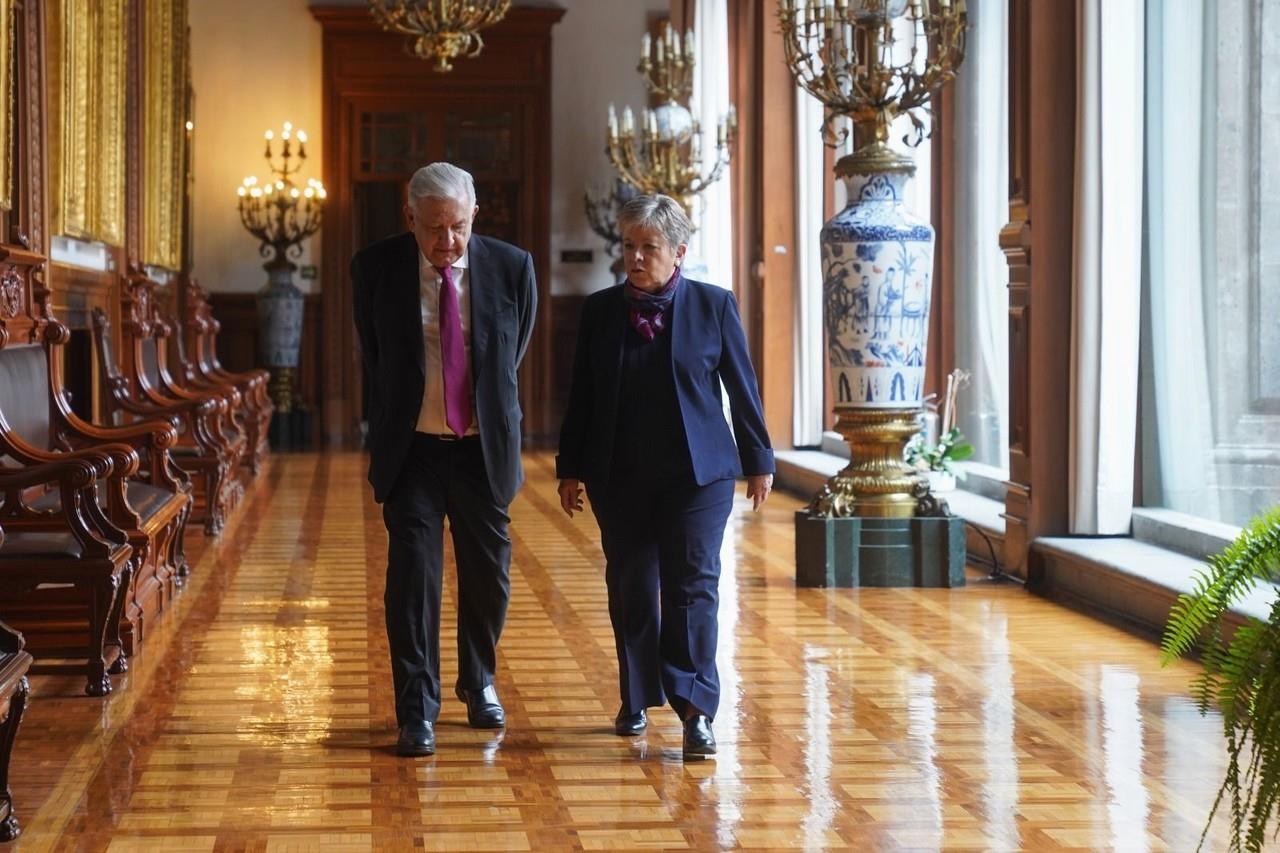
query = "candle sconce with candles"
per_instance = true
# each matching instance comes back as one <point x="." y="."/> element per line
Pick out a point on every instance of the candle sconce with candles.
<point x="281" y="215"/>
<point x="662" y="153"/>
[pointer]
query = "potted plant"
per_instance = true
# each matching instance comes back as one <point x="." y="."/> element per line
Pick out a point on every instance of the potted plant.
<point x="937" y="459"/>
<point x="1240" y="676"/>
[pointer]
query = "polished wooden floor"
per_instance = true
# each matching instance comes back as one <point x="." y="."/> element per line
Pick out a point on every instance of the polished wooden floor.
<point x="259" y="716"/>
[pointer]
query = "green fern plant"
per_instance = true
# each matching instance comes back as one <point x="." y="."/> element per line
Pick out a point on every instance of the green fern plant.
<point x="1240" y="676"/>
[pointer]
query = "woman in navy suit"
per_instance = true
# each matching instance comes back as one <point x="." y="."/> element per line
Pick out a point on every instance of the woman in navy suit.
<point x="646" y="434"/>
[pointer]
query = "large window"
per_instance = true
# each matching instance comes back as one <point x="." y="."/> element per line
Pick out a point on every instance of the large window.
<point x="981" y="171"/>
<point x="1211" y="340"/>
<point x="712" y="244"/>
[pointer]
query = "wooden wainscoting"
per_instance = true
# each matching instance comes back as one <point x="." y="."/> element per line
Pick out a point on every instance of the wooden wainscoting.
<point x="566" y="314"/>
<point x="238" y="341"/>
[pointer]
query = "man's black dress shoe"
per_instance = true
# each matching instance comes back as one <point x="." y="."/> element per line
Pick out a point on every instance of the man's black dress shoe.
<point x="699" y="742"/>
<point x="630" y="725"/>
<point x="484" y="711"/>
<point x="417" y="739"/>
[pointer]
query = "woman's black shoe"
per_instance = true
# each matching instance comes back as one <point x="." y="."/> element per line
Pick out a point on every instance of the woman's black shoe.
<point x="417" y="739"/>
<point x="699" y="742"/>
<point x="630" y="725"/>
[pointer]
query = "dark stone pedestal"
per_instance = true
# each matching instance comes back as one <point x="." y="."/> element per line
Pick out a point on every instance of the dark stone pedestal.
<point x="291" y="430"/>
<point x="848" y="552"/>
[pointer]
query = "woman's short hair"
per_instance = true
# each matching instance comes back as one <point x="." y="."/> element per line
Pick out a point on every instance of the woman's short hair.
<point x="442" y="180"/>
<point x="657" y="211"/>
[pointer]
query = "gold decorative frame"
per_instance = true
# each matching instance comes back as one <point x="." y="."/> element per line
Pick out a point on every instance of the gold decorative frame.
<point x="7" y="105"/>
<point x="87" y="44"/>
<point x="70" y="71"/>
<point x="164" y="66"/>
<point x="108" y="177"/>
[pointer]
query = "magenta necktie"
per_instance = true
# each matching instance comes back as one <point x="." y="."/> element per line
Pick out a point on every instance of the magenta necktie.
<point x="453" y="357"/>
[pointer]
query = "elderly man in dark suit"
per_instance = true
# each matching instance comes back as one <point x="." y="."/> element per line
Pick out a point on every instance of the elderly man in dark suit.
<point x="444" y="318"/>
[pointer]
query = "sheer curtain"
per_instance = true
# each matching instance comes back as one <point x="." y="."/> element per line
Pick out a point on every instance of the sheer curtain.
<point x="1107" y="274"/>
<point x="712" y="243"/>
<point x="1180" y="111"/>
<point x="981" y="210"/>
<point x="811" y="180"/>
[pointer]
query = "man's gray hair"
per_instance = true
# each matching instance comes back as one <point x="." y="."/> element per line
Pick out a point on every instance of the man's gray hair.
<point x="657" y="211"/>
<point x="442" y="180"/>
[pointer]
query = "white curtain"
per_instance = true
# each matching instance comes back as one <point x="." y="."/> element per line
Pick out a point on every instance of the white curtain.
<point x="1180" y="112"/>
<point x="811" y="180"/>
<point x="981" y="210"/>
<point x="712" y="244"/>
<point x="1107" y="273"/>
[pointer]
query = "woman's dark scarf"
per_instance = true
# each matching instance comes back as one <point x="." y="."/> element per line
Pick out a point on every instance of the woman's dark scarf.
<point x="648" y="312"/>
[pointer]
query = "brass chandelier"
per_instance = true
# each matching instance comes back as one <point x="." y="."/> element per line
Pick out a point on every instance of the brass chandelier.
<point x="663" y="153"/>
<point x="442" y="29"/>
<point x="277" y="212"/>
<point x="846" y="54"/>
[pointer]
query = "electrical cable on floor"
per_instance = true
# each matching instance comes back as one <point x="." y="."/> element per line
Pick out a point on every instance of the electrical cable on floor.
<point x="997" y="573"/>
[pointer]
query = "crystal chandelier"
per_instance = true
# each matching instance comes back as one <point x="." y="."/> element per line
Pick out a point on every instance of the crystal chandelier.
<point x="442" y="29"/>
<point x="663" y="154"/>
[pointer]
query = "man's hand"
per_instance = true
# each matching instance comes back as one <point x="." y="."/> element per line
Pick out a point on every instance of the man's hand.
<point x="758" y="488"/>
<point x="570" y="497"/>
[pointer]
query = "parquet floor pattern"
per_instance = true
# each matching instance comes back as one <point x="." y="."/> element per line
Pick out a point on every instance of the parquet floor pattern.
<point x="259" y="716"/>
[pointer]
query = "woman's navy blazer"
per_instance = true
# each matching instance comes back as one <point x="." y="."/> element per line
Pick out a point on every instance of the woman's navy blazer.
<point x="708" y="347"/>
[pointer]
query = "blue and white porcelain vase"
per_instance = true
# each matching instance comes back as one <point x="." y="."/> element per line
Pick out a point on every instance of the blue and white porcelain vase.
<point x="280" y="314"/>
<point x="877" y="271"/>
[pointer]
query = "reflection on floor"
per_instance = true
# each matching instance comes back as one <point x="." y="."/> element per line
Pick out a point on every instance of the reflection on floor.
<point x="260" y="716"/>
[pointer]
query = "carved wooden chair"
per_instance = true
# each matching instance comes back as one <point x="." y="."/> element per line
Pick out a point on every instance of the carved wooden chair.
<point x="193" y="356"/>
<point x="149" y="346"/>
<point x="14" y="663"/>
<point x="205" y="449"/>
<point x="152" y="508"/>
<point x="74" y="550"/>
<point x="143" y="333"/>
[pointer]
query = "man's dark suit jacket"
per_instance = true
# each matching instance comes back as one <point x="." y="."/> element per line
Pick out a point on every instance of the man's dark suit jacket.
<point x="504" y="300"/>
<point x="707" y="346"/>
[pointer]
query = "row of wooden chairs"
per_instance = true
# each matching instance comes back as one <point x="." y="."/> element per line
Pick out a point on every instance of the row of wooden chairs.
<point x="14" y="690"/>
<point x="96" y="514"/>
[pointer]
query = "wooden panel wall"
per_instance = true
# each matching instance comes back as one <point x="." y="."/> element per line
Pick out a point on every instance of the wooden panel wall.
<point x="238" y="341"/>
<point x="566" y="317"/>
<point x="24" y="242"/>
<point x="1037" y="244"/>
<point x="942" y="312"/>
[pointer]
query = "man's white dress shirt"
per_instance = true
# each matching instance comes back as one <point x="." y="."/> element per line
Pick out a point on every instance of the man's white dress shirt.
<point x="431" y="416"/>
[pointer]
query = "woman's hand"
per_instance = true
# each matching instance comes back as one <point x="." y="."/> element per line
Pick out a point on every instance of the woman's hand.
<point x="570" y="497"/>
<point x="758" y="488"/>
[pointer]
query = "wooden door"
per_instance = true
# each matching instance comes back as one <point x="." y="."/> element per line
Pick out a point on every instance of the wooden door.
<point x="386" y="114"/>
